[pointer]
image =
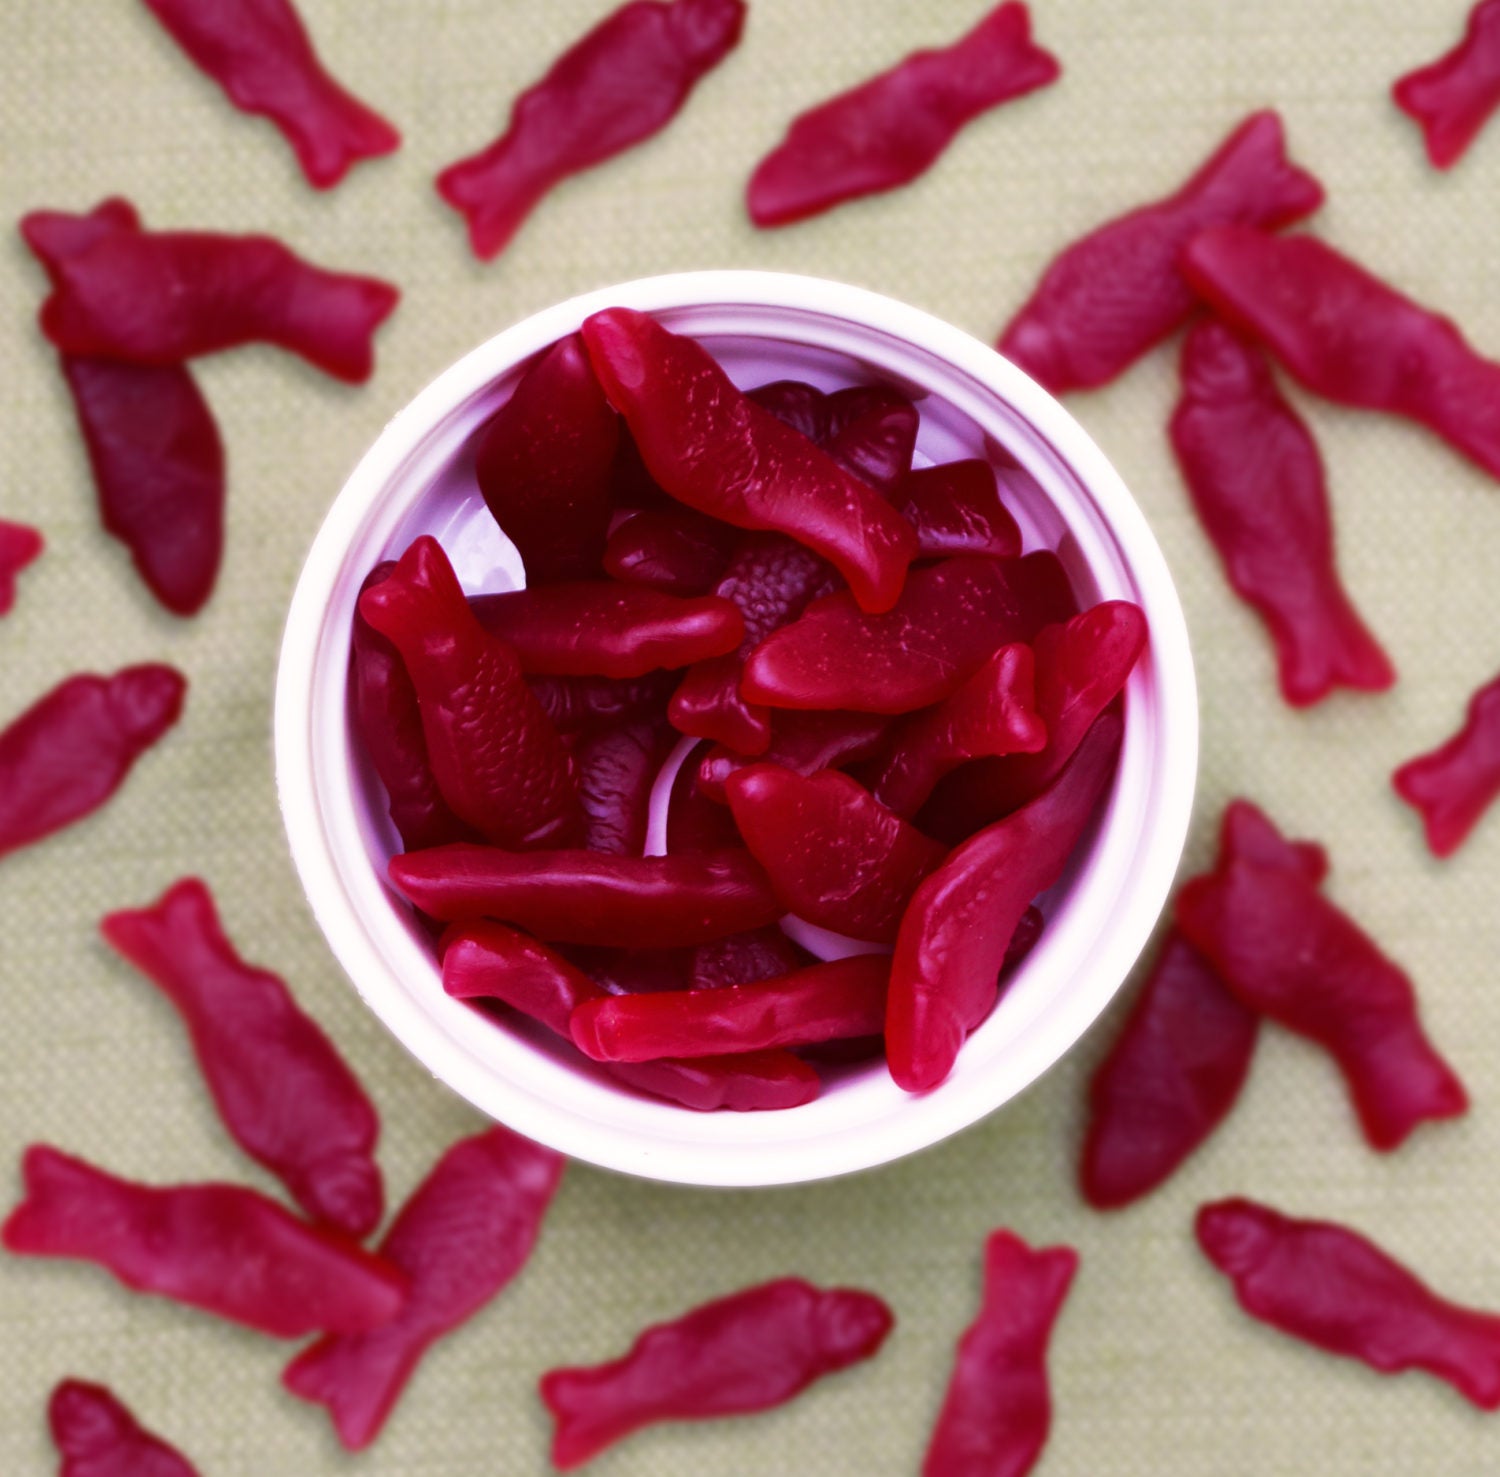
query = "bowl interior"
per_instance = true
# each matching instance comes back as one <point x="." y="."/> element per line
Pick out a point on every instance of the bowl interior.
<point x="418" y="478"/>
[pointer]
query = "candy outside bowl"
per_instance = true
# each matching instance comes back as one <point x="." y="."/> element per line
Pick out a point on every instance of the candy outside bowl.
<point x="418" y="478"/>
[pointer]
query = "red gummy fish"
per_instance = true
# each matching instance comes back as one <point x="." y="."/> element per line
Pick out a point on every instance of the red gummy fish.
<point x="73" y="748"/>
<point x="467" y="1230"/>
<point x="222" y="1248"/>
<point x="747" y="1352"/>
<point x="159" y="297"/>
<point x="1114" y="293"/>
<point x="622" y="82"/>
<point x="1452" y="98"/>
<point x="96" y="1436"/>
<point x="1456" y="783"/>
<point x="1256" y="479"/>
<point x="1348" y="336"/>
<point x="887" y="131"/>
<point x="153" y="444"/>
<point x="259" y="52"/>
<point x="714" y="449"/>
<point x="998" y="1409"/>
<point x="497" y="760"/>
<point x="1333" y="1288"/>
<point x="283" y="1091"/>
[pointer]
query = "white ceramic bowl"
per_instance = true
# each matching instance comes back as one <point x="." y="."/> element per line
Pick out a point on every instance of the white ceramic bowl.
<point x="760" y="326"/>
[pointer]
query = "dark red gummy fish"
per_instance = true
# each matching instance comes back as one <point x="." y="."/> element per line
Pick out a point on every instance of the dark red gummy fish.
<point x="671" y="549"/>
<point x="713" y="448"/>
<point x="282" y="1089"/>
<point x="872" y="433"/>
<point x="801" y="742"/>
<point x="958" y="927"/>
<point x="619" y="84"/>
<point x="833" y="853"/>
<point x="1081" y="666"/>
<point x="153" y="445"/>
<point x="1289" y="953"/>
<point x="575" y="704"/>
<point x="695" y="822"/>
<point x="743" y="958"/>
<point x="96" y="1436"/>
<point x="956" y="509"/>
<point x="158" y="465"/>
<point x="1256" y="479"/>
<point x="616" y="769"/>
<point x="1455" y="784"/>
<point x="384" y="713"/>
<point x="770" y="579"/>
<point x="1333" y="1288"/>
<point x="72" y="749"/>
<point x="19" y="545"/>
<point x="993" y="713"/>
<point x="998" y="1409"/>
<point x="159" y="297"/>
<point x="545" y="464"/>
<point x="1114" y="293"/>
<point x="869" y="432"/>
<point x="751" y="1081"/>
<point x="1183" y="1053"/>
<point x="1348" y="336"/>
<point x="840" y="1000"/>
<point x="601" y="628"/>
<point x="464" y="1234"/>
<point x="489" y="960"/>
<point x="1453" y="97"/>
<point x="259" y="52"/>
<point x="222" y="1248"/>
<point x="588" y="897"/>
<point x="747" y="1352"/>
<point x="498" y="761"/>
<point x="887" y="131"/>
<point x="950" y="618"/>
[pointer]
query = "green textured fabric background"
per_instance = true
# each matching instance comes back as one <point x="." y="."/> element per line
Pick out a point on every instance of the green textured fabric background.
<point x="1155" y="1370"/>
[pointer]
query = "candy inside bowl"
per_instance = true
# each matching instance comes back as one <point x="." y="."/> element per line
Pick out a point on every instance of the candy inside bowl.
<point x="419" y="479"/>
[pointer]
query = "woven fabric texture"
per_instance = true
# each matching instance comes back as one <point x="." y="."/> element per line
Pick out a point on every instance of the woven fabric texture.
<point x="1155" y="1370"/>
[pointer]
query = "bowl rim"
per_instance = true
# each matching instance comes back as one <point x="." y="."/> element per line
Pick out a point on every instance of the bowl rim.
<point x="722" y="1160"/>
